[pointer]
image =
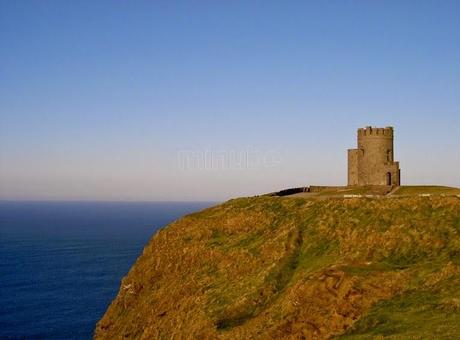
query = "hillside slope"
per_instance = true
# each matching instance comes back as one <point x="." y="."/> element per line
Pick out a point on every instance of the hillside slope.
<point x="286" y="267"/>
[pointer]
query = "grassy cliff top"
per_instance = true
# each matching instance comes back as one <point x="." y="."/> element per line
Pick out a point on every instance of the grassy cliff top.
<point x="287" y="267"/>
<point x="411" y="190"/>
<point x="406" y="190"/>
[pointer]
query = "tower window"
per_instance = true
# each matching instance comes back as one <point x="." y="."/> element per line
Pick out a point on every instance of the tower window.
<point x="388" y="155"/>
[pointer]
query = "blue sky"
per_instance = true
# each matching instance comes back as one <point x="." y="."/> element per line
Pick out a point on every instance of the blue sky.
<point x="122" y="100"/>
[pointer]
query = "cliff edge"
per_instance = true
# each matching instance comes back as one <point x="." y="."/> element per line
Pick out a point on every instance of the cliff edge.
<point x="293" y="268"/>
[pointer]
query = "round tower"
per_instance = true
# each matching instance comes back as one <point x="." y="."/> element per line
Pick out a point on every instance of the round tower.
<point x="373" y="160"/>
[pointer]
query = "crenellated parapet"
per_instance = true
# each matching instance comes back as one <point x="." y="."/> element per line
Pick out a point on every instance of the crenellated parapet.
<point x="370" y="131"/>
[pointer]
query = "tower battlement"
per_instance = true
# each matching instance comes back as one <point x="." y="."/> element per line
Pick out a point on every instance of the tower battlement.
<point x="370" y="131"/>
<point x="372" y="163"/>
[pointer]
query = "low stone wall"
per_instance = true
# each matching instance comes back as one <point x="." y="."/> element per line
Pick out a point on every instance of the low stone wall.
<point x="312" y="188"/>
<point x="291" y="191"/>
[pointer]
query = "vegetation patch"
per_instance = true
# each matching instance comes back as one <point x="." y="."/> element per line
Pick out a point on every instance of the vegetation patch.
<point x="292" y="267"/>
<point x="411" y="190"/>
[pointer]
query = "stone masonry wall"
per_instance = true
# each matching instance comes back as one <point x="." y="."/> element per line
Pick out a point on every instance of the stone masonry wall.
<point x="372" y="163"/>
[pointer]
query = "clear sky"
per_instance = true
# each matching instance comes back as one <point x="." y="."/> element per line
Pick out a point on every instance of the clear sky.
<point x="207" y="100"/>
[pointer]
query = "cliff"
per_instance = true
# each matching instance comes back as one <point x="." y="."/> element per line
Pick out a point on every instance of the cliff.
<point x="287" y="267"/>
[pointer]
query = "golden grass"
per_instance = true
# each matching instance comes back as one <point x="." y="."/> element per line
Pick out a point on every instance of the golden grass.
<point x="287" y="268"/>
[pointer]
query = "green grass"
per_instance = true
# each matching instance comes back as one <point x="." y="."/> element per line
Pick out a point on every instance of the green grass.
<point x="275" y="282"/>
<point x="408" y="190"/>
<point x="420" y="314"/>
<point x="413" y="190"/>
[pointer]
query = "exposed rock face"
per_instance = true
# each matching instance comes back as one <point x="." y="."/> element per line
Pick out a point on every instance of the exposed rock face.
<point x="281" y="267"/>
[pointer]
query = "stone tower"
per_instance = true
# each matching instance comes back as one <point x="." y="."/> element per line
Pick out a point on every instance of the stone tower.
<point x="372" y="163"/>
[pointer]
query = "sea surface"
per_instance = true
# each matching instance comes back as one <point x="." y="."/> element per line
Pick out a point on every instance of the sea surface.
<point x="61" y="262"/>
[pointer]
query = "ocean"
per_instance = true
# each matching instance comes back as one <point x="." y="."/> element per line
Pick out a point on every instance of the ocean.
<point x="61" y="262"/>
